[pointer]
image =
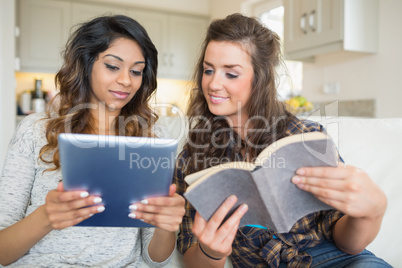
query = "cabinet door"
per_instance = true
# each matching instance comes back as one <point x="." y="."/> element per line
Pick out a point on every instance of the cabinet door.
<point x="326" y="21"/>
<point x="156" y="25"/>
<point x="84" y="12"/>
<point x="311" y="23"/>
<point x="44" y="28"/>
<point x="186" y="36"/>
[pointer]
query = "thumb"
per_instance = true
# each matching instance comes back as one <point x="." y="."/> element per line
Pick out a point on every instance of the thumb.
<point x="60" y="187"/>
<point x="172" y="190"/>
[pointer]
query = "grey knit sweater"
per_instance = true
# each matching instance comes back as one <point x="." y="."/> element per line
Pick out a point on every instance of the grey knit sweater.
<point x="23" y="188"/>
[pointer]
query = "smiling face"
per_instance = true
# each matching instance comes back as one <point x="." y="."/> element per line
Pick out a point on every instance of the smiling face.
<point x="117" y="74"/>
<point x="227" y="80"/>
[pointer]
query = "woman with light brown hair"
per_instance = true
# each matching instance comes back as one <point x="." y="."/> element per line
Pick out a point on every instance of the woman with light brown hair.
<point x="105" y="83"/>
<point x="234" y="114"/>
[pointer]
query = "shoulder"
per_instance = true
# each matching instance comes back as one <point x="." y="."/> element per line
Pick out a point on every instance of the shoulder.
<point x="30" y="126"/>
<point x="297" y="126"/>
<point x="29" y="134"/>
<point x="31" y="120"/>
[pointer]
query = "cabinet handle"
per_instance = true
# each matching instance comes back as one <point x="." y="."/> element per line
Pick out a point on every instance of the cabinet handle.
<point x="311" y="21"/>
<point x="303" y="23"/>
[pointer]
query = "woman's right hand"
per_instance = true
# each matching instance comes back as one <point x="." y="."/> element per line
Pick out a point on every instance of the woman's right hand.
<point x="65" y="209"/>
<point x="215" y="239"/>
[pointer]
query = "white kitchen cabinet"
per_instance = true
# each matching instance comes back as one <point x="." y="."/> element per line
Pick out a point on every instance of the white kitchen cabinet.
<point x="178" y="39"/>
<point x="81" y="12"/>
<point x="315" y="27"/>
<point x="44" y="28"/>
<point x="46" y="25"/>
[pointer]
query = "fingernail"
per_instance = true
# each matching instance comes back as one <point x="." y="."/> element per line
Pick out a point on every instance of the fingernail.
<point x="296" y="179"/>
<point x="244" y="208"/>
<point x="101" y="209"/>
<point x="84" y="194"/>
<point x="145" y="202"/>
<point x="232" y="198"/>
<point x="90" y="215"/>
<point x="132" y="215"/>
<point x="97" y="200"/>
<point x="300" y="171"/>
<point x="133" y="207"/>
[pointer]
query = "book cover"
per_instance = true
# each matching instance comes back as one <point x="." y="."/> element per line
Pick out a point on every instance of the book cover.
<point x="274" y="201"/>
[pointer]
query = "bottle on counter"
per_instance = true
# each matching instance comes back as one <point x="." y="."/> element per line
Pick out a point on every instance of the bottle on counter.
<point x="38" y="100"/>
<point x="26" y="102"/>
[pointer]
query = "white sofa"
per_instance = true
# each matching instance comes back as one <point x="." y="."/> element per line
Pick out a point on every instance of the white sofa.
<point x="374" y="146"/>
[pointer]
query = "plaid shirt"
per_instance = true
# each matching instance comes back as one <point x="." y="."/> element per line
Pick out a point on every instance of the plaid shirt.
<point x="256" y="247"/>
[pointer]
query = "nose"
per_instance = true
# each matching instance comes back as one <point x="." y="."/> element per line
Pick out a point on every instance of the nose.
<point x="124" y="79"/>
<point x="216" y="82"/>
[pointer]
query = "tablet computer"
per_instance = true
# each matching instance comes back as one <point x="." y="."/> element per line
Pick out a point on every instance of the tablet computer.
<point x="121" y="170"/>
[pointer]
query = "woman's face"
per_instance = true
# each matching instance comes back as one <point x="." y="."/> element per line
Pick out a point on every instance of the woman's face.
<point x="227" y="80"/>
<point x="117" y="74"/>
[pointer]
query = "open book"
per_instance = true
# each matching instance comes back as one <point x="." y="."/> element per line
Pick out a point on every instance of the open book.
<point x="265" y="185"/>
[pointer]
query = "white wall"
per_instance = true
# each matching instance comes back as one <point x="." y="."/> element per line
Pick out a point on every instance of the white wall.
<point x="7" y="79"/>
<point x="376" y="76"/>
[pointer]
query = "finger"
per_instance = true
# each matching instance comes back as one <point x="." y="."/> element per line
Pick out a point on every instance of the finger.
<point x="334" y="184"/>
<point x="65" y="224"/>
<point x="162" y="221"/>
<point x="198" y="224"/>
<point x="216" y="220"/>
<point x="324" y="193"/>
<point x="161" y="205"/>
<point x="226" y="230"/>
<point x="325" y="172"/>
<point x="74" y="215"/>
<point x="337" y="204"/>
<point x="172" y="190"/>
<point x="71" y="196"/>
<point x="60" y="187"/>
<point x="228" y="240"/>
<point x="58" y="207"/>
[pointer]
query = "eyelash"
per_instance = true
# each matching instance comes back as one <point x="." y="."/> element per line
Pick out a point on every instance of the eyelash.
<point x="114" y="68"/>
<point x="111" y="67"/>
<point x="229" y="75"/>
<point x="136" y="73"/>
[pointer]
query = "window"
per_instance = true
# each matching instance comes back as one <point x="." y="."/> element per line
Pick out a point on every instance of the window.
<point x="290" y="76"/>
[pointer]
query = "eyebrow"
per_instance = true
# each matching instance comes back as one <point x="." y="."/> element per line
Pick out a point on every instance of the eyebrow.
<point x="226" y="65"/>
<point x="120" y="59"/>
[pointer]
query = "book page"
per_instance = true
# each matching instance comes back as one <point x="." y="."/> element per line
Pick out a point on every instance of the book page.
<point x="267" y="152"/>
<point x="200" y="175"/>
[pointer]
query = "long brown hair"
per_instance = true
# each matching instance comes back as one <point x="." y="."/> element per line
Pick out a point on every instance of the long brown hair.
<point x="268" y="115"/>
<point x="70" y="112"/>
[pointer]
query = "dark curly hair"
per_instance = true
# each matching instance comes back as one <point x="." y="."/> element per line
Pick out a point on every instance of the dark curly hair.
<point x="73" y="81"/>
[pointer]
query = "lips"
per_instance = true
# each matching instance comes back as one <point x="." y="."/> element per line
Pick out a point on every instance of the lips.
<point x="217" y="99"/>
<point x="120" y="94"/>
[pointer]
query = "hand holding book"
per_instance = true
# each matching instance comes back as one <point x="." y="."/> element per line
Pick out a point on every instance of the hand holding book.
<point x="265" y="186"/>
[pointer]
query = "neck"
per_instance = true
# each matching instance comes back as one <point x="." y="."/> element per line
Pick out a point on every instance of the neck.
<point x="103" y="120"/>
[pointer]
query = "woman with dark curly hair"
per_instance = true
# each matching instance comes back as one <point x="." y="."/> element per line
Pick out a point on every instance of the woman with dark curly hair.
<point x="105" y="83"/>
<point x="234" y="114"/>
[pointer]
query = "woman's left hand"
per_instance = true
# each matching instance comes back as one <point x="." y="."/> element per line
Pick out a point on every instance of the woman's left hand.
<point x="163" y="212"/>
<point x="346" y="188"/>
